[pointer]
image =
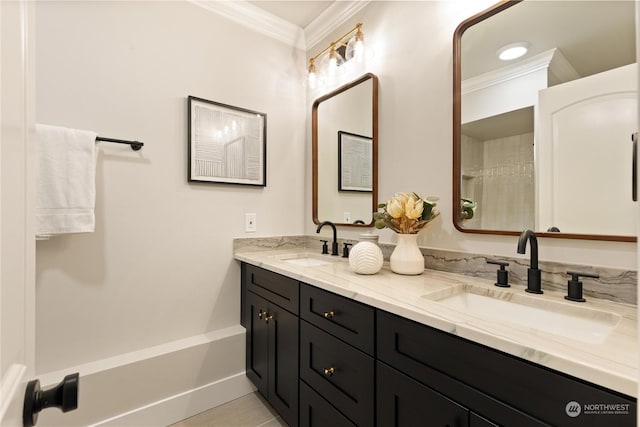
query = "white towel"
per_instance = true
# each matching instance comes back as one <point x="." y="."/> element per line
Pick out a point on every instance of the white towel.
<point x="65" y="180"/>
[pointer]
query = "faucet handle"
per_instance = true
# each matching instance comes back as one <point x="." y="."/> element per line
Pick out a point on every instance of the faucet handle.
<point x="574" y="286"/>
<point x="325" y="247"/>
<point x="502" y="280"/>
<point x="345" y="250"/>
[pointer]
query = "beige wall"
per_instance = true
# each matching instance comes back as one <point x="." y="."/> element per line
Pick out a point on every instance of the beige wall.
<point x="414" y="62"/>
<point x="159" y="266"/>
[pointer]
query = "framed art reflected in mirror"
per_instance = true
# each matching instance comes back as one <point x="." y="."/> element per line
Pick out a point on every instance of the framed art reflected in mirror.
<point x="355" y="168"/>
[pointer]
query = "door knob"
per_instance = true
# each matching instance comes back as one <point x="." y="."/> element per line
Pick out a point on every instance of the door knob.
<point x="63" y="396"/>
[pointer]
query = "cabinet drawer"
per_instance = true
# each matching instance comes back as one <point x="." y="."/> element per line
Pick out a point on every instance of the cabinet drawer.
<point x="343" y="375"/>
<point x="317" y="412"/>
<point x="506" y="389"/>
<point x="346" y="319"/>
<point x="404" y="402"/>
<point x="274" y="287"/>
<point x="476" y="420"/>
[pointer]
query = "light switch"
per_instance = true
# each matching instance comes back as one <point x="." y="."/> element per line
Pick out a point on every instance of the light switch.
<point x="250" y="225"/>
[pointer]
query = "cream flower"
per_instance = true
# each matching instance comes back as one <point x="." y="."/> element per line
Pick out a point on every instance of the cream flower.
<point x="395" y="207"/>
<point x="413" y="208"/>
<point x="406" y="213"/>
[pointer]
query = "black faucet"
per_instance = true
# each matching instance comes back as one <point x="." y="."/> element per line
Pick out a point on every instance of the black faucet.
<point x="534" y="282"/>
<point x="334" y="244"/>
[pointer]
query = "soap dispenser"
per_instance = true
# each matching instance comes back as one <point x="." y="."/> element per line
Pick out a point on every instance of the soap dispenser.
<point x="574" y="286"/>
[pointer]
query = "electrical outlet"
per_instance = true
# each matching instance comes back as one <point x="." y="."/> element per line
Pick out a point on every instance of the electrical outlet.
<point x="347" y="217"/>
<point x="250" y="225"/>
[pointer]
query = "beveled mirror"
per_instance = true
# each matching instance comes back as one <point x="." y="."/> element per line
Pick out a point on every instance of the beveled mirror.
<point x="345" y="153"/>
<point x="545" y="141"/>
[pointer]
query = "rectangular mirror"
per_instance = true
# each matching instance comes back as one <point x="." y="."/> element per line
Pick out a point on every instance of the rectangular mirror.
<point x="345" y="153"/>
<point x="544" y="141"/>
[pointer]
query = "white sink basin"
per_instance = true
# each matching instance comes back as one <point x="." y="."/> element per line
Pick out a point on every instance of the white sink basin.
<point x="571" y="321"/>
<point x="307" y="260"/>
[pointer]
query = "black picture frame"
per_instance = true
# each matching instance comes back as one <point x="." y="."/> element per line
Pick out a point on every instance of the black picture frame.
<point x="227" y="144"/>
<point x="355" y="162"/>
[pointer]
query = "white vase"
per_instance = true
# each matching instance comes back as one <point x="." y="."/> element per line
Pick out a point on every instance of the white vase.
<point x="406" y="257"/>
<point x="366" y="258"/>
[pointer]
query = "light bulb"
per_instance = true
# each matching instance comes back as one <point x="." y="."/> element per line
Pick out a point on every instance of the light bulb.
<point x="358" y="50"/>
<point x="333" y="60"/>
<point x="313" y="78"/>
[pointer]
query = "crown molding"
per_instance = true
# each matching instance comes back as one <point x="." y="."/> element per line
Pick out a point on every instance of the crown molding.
<point x="327" y="22"/>
<point x="553" y="61"/>
<point x="257" y="19"/>
<point x="561" y="70"/>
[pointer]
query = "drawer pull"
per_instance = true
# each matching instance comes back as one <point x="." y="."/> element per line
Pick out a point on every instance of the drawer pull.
<point x="329" y="314"/>
<point x="328" y="372"/>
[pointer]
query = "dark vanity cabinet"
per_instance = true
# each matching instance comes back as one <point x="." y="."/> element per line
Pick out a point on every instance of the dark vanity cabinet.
<point x="326" y="360"/>
<point x="271" y="319"/>
<point x="336" y="356"/>
<point x="496" y="388"/>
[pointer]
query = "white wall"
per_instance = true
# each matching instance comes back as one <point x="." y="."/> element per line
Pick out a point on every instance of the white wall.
<point x="159" y="267"/>
<point x="413" y="44"/>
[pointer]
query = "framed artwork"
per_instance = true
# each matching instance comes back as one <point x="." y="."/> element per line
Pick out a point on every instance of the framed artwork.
<point x="226" y="144"/>
<point x="355" y="162"/>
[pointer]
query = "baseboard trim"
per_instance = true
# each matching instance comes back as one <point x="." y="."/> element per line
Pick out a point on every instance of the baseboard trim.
<point x="184" y="405"/>
<point x="157" y="385"/>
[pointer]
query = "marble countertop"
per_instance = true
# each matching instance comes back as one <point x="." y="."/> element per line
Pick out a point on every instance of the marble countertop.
<point x="610" y="361"/>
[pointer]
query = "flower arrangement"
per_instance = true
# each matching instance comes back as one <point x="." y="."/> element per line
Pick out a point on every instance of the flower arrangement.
<point x="406" y="213"/>
<point x="467" y="209"/>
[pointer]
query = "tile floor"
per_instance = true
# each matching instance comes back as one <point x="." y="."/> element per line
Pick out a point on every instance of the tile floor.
<point x="248" y="411"/>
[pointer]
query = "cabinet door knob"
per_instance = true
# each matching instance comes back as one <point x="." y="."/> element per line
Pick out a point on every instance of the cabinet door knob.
<point x="267" y="317"/>
<point x="261" y="314"/>
<point x="329" y="372"/>
<point x="329" y="314"/>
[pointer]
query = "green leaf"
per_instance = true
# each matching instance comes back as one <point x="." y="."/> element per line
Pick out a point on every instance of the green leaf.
<point x="468" y="212"/>
<point x="426" y="211"/>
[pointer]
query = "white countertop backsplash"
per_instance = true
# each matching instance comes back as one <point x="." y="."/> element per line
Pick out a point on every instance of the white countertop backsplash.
<point x="612" y="363"/>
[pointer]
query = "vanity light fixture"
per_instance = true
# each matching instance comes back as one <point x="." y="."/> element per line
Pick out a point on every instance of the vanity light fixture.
<point x="335" y="60"/>
<point x="313" y="77"/>
<point x="339" y="52"/>
<point x="513" y="51"/>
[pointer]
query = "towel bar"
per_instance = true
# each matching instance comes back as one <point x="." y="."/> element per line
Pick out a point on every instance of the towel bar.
<point x="135" y="145"/>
